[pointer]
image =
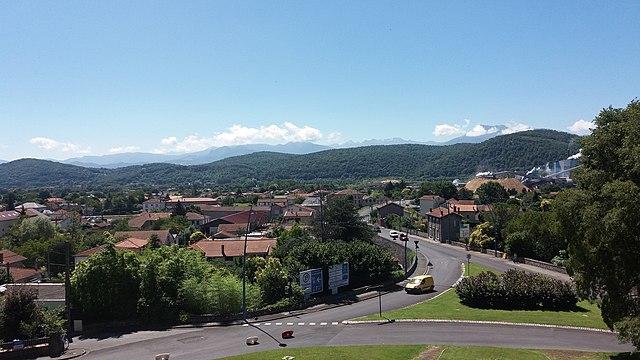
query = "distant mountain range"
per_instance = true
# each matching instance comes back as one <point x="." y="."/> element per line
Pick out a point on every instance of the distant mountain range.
<point x="114" y="161"/>
<point x="516" y="152"/>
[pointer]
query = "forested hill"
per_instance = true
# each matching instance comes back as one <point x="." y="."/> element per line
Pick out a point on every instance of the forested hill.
<point x="519" y="151"/>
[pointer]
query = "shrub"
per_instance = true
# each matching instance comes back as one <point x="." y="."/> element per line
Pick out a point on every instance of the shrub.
<point x="217" y="294"/>
<point x="516" y="289"/>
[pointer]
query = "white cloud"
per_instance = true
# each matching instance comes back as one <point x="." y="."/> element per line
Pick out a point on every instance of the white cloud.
<point x="582" y="127"/>
<point x="335" y="138"/>
<point x="515" y="127"/>
<point x="480" y="130"/>
<point x="54" y="145"/>
<point x="447" y="130"/>
<point x="239" y="135"/>
<point x="124" y="149"/>
<point x="171" y="140"/>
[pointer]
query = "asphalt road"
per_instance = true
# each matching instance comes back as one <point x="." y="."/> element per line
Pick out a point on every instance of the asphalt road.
<point x="325" y="327"/>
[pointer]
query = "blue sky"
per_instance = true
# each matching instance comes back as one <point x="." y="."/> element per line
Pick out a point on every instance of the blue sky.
<point x="99" y="77"/>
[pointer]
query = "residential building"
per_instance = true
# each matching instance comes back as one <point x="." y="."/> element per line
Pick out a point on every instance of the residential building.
<point x="296" y="214"/>
<point x="164" y="235"/>
<point x="84" y="255"/>
<point x="257" y="218"/>
<point x="196" y="219"/>
<point x="7" y="220"/>
<point x="154" y="205"/>
<point x="197" y="202"/>
<point x="355" y="195"/>
<point x="388" y="209"/>
<point x="468" y="209"/>
<point x="131" y="244"/>
<point x="14" y="263"/>
<point x="443" y="225"/>
<point x="31" y="206"/>
<point x="226" y="231"/>
<point x="228" y="250"/>
<point x="145" y="219"/>
<point x="430" y="202"/>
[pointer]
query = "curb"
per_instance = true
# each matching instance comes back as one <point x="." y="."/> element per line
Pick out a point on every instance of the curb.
<point x="75" y="353"/>
<point x="364" y="322"/>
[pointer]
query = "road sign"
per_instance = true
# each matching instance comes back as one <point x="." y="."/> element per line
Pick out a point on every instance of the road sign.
<point x="338" y="275"/>
<point x="311" y="281"/>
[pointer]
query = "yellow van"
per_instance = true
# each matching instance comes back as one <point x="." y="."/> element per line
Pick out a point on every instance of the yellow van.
<point x="418" y="284"/>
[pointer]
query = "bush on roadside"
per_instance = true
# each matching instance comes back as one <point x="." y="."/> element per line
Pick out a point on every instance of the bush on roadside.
<point x="516" y="289"/>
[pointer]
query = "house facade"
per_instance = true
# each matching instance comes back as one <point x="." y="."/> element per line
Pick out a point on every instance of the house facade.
<point x="443" y="225"/>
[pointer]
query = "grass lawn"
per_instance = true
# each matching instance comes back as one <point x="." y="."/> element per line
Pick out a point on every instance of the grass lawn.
<point x="373" y="352"/>
<point x="447" y="306"/>
<point x="411" y="352"/>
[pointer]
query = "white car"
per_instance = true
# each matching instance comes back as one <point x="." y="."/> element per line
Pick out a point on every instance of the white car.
<point x="394" y="234"/>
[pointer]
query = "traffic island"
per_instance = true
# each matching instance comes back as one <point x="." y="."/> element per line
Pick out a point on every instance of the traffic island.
<point x="447" y="306"/>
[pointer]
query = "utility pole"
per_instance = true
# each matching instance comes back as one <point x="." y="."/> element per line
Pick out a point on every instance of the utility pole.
<point x="321" y="219"/>
<point x="67" y="291"/>
<point x="244" y="261"/>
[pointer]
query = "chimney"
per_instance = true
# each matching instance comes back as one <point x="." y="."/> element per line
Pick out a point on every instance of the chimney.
<point x="222" y="250"/>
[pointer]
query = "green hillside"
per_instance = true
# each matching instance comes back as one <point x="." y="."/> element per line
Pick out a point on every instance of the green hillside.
<point x="519" y="151"/>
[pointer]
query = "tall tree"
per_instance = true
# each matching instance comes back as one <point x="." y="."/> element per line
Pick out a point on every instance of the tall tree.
<point x="491" y="192"/>
<point x="342" y="222"/>
<point x="600" y="219"/>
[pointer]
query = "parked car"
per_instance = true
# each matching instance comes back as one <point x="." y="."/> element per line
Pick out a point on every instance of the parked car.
<point x="394" y="234"/>
<point x="419" y="284"/>
<point x="404" y="237"/>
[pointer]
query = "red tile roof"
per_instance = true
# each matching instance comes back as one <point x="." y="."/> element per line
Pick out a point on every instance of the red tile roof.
<point x="139" y="220"/>
<point x="9" y="257"/>
<point x="441" y="212"/>
<point x="132" y="244"/>
<point x="259" y="217"/>
<point x="90" y="251"/>
<point x="20" y="274"/>
<point x="122" y="235"/>
<point x="234" y="248"/>
<point x="9" y="215"/>
<point x="232" y="228"/>
<point x="192" y="216"/>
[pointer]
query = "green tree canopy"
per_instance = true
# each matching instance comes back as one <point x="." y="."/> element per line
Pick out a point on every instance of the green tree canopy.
<point x="600" y="219"/>
<point x="342" y="222"/>
<point x="491" y="192"/>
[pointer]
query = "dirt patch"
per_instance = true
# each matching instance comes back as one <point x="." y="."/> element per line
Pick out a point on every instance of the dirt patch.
<point x="431" y="353"/>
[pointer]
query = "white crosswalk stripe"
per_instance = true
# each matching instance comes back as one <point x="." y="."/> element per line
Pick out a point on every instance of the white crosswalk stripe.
<point x="289" y="324"/>
<point x="323" y="324"/>
<point x="267" y="324"/>
<point x="312" y="324"/>
<point x="300" y="324"/>
<point x="334" y="323"/>
<point x="278" y="324"/>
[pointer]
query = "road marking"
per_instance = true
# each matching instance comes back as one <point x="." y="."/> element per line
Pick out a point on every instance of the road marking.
<point x="334" y="323"/>
<point x="300" y="324"/>
<point x="312" y="324"/>
<point x="278" y="324"/>
<point x="266" y="324"/>
<point x="323" y="324"/>
<point x="289" y="324"/>
<point x="245" y="325"/>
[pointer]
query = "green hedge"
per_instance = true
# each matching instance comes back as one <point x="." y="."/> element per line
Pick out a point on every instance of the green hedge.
<point x="516" y="289"/>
